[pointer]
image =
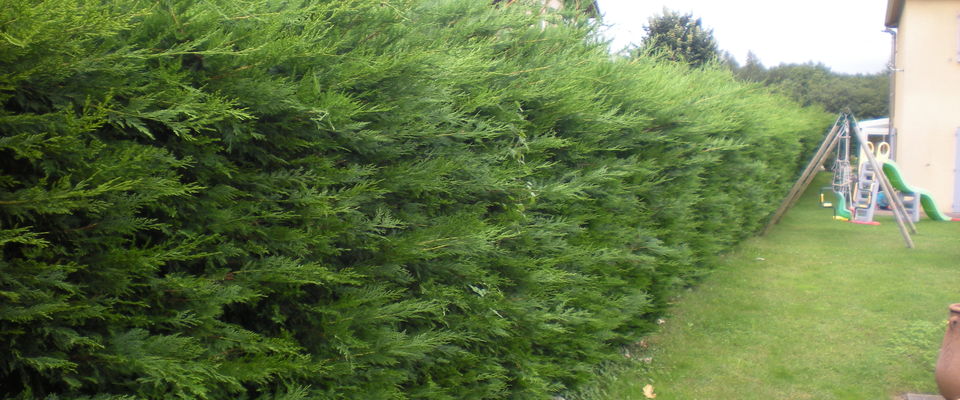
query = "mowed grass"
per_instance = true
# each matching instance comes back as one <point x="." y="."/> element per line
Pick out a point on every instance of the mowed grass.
<point x="817" y="309"/>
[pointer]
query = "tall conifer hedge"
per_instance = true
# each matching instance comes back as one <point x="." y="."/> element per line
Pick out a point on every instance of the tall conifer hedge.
<point x="354" y="199"/>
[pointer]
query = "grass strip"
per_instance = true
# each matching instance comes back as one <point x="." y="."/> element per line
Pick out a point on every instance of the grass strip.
<point x="817" y="309"/>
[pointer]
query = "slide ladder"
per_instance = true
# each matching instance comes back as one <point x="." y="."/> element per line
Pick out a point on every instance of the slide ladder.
<point x="911" y="202"/>
<point x="865" y="199"/>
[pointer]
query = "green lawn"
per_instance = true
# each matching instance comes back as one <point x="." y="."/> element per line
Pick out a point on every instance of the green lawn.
<point x="817" y="309"/>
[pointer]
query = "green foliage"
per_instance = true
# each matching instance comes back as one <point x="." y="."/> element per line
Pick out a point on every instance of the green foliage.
<point x="354" y="199"/>
<point x="865" y="95"/>
<point x="681" y="38"/>
<point x="752" y="69"/>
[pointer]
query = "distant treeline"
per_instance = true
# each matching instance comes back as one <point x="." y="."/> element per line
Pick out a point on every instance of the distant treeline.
<point x="682" y="38"/>
<point x="811" y="84"/>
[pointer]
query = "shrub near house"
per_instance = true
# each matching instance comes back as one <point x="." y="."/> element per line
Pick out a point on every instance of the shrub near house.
<point x="354" y="199"/>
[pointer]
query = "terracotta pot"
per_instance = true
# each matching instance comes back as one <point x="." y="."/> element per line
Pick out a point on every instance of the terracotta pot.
<point x="948" y="364"/>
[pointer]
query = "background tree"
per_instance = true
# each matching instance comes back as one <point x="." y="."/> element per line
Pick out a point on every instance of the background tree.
<point x="864" y="94"/>
<point x="681" y="38"/>
<point x="729" y="61"/>
<point x="814" y="84"/>
<point x="752" y="69"/>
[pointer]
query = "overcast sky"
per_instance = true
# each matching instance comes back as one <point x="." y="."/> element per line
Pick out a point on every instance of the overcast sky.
<point x="845" y="35"/>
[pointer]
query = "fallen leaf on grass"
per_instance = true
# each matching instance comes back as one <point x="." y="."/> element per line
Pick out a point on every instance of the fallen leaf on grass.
<point x="648" y="392"/>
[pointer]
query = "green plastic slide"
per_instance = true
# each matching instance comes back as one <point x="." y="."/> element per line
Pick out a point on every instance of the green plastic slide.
<point x="926" y="201"/>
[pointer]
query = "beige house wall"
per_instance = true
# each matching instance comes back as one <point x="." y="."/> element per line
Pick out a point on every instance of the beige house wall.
<point x="927" y="98"/>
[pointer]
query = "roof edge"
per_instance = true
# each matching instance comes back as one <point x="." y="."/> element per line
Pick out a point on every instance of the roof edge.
<point x="894" y="10"/>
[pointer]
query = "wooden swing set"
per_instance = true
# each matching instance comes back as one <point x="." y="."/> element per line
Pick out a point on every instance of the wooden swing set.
<point x="845" y="125"/>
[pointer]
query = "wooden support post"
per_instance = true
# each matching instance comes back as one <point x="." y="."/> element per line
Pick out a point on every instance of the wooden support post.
<point x="806" y="177"/>
<point x="885" y="182"/>
<point x="899" y="211"/>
